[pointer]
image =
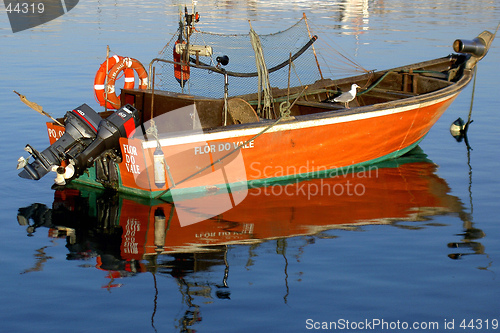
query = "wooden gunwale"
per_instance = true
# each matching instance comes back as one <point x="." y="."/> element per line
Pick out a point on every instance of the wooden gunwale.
<point x="405" y="103"/>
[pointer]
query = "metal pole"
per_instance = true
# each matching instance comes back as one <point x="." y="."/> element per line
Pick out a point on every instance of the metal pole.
<point x="226" y="89"/>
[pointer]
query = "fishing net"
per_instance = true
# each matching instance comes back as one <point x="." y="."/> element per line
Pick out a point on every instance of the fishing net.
<point x="276" y="47"/>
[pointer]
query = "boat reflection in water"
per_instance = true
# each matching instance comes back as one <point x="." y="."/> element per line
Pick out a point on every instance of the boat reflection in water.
<point x="128" y="236"/>
<point x="131" y="228"/>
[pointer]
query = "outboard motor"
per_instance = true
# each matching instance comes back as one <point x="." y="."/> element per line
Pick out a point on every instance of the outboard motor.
<point x="86" y="137"/>
<point x="81" y="129"/>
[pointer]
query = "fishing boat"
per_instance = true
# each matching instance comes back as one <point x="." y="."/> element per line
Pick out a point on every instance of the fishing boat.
<point x="203" y="122"/>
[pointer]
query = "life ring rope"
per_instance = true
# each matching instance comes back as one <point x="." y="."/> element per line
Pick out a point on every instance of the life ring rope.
<point x="116" y="64"/>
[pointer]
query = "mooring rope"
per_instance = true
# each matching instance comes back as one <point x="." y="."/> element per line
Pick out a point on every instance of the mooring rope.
<point x="264" y="85"/>
<point x="472" y="99"/>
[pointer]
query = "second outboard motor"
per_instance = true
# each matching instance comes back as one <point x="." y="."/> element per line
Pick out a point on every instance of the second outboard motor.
<point x="120" y="124"/>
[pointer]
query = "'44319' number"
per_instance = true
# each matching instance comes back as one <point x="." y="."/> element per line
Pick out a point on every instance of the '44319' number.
<point x="25" y="8"/>
<point x="479" y="324"/>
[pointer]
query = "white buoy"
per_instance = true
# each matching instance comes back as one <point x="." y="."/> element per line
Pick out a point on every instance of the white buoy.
<point x="159" y="167"/>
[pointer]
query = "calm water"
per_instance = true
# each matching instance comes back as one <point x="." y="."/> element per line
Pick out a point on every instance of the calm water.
<point x="420" y="244"/>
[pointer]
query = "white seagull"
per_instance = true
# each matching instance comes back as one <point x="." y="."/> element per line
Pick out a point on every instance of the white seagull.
<point x="347" y="96"/>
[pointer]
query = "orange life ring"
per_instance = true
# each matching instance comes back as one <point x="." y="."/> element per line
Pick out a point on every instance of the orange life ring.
<point x="100" y="77"/>
<point x="181" y="72"/>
